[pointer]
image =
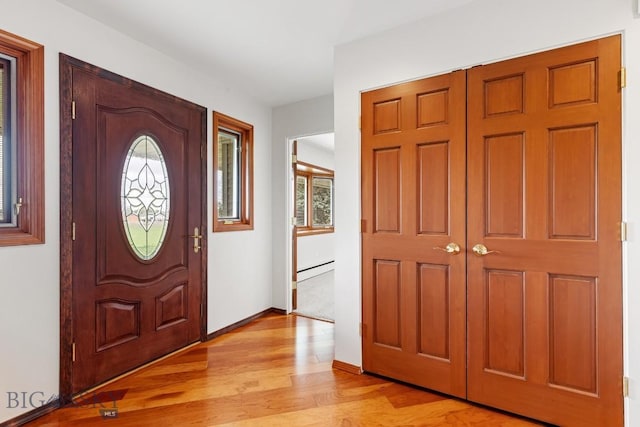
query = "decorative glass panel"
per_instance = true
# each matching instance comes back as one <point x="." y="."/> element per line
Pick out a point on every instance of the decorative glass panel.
<point x="145" y="197"/>
<point x="301" y="201"/>
<point x="228" y="175"/>
<point x="322" y="194"/>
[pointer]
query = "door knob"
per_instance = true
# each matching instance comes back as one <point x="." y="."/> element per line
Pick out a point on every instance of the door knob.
<point x="451" y="248"/>
<point x="481" y="250"/>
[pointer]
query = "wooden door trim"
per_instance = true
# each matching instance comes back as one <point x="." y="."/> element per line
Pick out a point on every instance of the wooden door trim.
<point x="294" y="229"/>
<point x="66" y="65"/>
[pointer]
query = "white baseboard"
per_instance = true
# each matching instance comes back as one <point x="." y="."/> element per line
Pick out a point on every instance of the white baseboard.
<point x="308" y="274"/>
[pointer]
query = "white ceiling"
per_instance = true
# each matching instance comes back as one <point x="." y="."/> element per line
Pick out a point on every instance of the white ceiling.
<point x="279" y="51"/>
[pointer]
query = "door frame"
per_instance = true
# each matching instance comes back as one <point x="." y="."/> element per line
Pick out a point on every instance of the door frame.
<point x="66" y="65"/>
<point x="290" y="266"/>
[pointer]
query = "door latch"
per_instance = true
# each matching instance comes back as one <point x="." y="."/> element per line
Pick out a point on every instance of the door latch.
<point x="196" y="240"/>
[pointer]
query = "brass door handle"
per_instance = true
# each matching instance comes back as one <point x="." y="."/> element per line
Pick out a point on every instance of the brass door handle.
<point x="451" y="248"/>
<point x="196" y="240"/>
<point x="481" y="250"/>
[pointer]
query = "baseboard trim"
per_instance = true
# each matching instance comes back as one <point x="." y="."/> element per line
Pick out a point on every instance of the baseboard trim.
<point x="347" y="367"/>
<point x="243" y="322"/>
<point x="27" y="417"/>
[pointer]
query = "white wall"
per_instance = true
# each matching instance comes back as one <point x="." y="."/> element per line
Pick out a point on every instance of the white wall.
<point x="29" y="280"/>
<point x="291" y="121"/>
<point x="309" y="152"/>
<point x="483" y="31"/>
<point x="314" y="251"/>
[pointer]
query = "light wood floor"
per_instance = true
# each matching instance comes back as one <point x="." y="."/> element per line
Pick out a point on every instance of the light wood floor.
<point x="275" y="371"/>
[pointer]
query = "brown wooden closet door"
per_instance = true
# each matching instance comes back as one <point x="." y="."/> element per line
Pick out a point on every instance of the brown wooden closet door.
<point x="544" y="193"/>
<point x="413" y="201"/>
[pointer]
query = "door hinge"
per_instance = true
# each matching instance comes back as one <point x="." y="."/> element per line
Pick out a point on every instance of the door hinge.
<point x="294" y="285"/>
<point x="363" y="225"/>
<point x="625" y="386"/>
<point x="73" y="110"/>
<point x="623" y="77"/>
<point x="623" y="231"/>
<point x="73" y="231"/>
<point x="73" y="351"/>
<point x="294" y="159"/>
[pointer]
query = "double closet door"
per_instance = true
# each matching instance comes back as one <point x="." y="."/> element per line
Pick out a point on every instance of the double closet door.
<point x="491" y="253"/>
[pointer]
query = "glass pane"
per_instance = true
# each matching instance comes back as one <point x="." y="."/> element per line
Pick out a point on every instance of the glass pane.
<point x="3" y="156"/>
<point x="322" y="199"/>
<point x="7" y="171"/>
<point x="301" y="201"/>
<point x="145" y="197"/>
<point x="228" y="175"/>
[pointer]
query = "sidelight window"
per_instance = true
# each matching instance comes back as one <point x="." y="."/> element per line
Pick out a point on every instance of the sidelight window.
<point x="232" y="174"/>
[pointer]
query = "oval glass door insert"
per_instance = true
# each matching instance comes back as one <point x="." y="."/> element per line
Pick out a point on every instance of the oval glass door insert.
<point x="145" y="197"/>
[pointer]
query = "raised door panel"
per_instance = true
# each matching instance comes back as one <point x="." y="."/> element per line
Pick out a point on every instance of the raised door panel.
<point x="388" y="309"/>
<point x="387" y="172"/>
<point x="433" y="310"/>
<point x="433" y="188"/>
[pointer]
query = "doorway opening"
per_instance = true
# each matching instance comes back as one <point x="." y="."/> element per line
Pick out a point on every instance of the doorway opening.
<point x="312" y="243"/>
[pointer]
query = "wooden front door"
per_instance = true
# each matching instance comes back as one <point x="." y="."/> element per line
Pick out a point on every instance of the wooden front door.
<point x="544" y="193"/>
<point x="542" y="250"/>
<point x="137" y="220"/>
<point x="413" y="208"/>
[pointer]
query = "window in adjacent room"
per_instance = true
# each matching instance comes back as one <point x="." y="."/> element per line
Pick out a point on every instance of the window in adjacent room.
<point x="233" y="174"/>
<point x="314" y="199"/>
<point x="21" y="141"/>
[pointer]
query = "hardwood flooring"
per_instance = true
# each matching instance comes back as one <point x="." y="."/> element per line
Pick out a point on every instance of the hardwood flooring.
<point x="275" y="371"/>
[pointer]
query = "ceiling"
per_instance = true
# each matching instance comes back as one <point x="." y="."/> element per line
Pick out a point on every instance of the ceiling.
<point x="279" y="51"/>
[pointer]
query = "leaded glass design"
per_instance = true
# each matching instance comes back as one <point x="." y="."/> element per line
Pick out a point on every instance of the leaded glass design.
<point x="145" y="197"/>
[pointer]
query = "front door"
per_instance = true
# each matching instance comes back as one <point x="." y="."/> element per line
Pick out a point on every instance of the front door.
<point x="137" y="223"/>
